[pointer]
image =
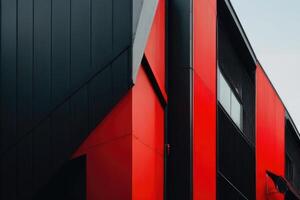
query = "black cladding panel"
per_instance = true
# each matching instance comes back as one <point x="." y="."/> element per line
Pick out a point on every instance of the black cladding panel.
<point x="179" y="167"/>
<point x="292" y="148"/>
<point x="60" y="49"/>
<point x="25" y="66"/>
<point x="236" y="148"/>
<point x="8" y="73"/>
<point x="25" y="168"/>
<point x="42" y="163"/>
<point x="179" y="109"/>
<point x="8" y="175"/>
<point x="80" y="40"/>
<point x="236" y="157"/>
<point x="42" y="58"/>
<point x="64" y="65"/>
<point x="102" y="37"/>
<point x="237" y="72"/>
<point x="68" y="183"/>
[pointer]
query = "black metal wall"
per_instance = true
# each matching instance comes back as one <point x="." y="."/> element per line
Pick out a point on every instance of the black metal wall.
<point x="240" y="76"/>
<point x="64" y="64"/>
<point x="292" y="148"/>
<point x="236" y="160"/>
<point x="179" y="110"/>
<point x="69" y="183"/>
<point x="236" y="148"/>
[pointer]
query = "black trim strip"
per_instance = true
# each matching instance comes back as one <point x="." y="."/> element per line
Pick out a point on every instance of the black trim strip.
<point x="153" y="81"/>
<point x="237" y="190"/>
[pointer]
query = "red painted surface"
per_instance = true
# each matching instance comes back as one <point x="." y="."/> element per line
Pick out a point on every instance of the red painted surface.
<point x="117" y="124"/>
<point x="109" y="154"/>
<point x="155" y="49"/>
<point x="148" y="173"/>
<point x="125" y="152"/>
<point x="109" y="170"/>
<point x="204" y="133"/>
<point x="148" y="114"/>
<point x="270" y="136"/>
<point x="148" y="141"/>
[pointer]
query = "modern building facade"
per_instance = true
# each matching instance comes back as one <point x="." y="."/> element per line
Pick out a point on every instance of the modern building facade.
<point x="138" y="99"/>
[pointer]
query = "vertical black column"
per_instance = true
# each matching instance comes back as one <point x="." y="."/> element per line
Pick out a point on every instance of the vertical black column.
<point x="179" y="70"/>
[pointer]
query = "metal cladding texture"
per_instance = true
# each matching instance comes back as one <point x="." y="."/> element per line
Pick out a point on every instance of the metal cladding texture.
<point x="179" y="111"/>
<point x="125" y="153"/>
<point x="204" y="99"/>
<point x="64" y="65"/>
<point x="270" y="137"/>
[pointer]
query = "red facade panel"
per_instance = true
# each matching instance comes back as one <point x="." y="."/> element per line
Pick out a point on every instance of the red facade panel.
<point x="109" y="155"/>
<point x="117" y="124"/>
<point x="148" y="173"/>
<point x="109" y="171"/>
<point x="204" y="106"/>
<point x="148" y="114"/>
<point x="270" y="136"/>
<point x="155" y="49"/>
<point x="125" y="153"/>
<point x="148" y="141"/>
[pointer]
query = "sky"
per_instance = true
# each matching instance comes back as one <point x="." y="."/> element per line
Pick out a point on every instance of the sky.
<point x="273" y="29"/>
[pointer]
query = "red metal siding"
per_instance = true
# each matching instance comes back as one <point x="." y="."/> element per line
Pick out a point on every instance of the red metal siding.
<point x="155" y="49"/>
<point x="204" y="136"/>
<point x="125" y="153"/>
<point x="148" y="141"/>
<point x="109" y="155"/>
<point x="148" y="117"/>
<point x="270" y="136"/>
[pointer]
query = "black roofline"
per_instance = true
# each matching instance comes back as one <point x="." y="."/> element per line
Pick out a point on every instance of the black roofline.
<point x="255" y="59"/>
<point x="241" y="30"/>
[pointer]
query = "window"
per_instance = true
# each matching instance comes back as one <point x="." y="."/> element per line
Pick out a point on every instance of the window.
<point x="224" y="93"/>
<point x="229" y="101"/>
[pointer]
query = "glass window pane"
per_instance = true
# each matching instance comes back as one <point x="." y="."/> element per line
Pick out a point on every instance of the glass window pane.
<point x="236" y="111"/>
<point x="223" y="92"/>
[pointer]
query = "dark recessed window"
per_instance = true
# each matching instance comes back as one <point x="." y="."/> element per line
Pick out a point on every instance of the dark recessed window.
<point x="229" y="100"/>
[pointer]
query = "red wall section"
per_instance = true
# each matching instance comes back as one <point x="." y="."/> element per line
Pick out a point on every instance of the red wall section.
<point x="155" y="49"/>
<point x="125" y="153"/>
<point x="109" y="154"/>
<point x="148" y="141"/>
<point x="117" y="124"/>
<point x="204" y="136"/>
<point x="148" y="117"/>
<point x="270" y="136"/>
<point x="148" y="114"/>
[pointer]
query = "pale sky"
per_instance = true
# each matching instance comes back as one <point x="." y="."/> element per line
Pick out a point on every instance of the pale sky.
<point x="273" y="29"/>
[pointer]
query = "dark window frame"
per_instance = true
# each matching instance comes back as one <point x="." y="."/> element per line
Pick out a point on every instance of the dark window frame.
<point x="236" y="94"/>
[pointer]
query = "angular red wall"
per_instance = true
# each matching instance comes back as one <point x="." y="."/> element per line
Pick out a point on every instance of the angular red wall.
<point x="147" y="141"/>
<point x="109" y="155"/>
<point x="270" y="136"/>
<point x="204" y="106"/>
<point x="148" y="116"/>
<point x="125" y="153"/>
<point x="155" y="49"/>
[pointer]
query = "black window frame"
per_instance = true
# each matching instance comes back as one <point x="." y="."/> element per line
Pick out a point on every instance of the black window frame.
<point x="235" y="91"/>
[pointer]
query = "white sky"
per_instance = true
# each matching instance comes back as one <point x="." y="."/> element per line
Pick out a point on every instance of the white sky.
<point x="273" y="29"/>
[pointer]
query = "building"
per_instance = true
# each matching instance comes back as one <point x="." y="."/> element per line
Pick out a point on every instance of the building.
<point x="138" y="99"/>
